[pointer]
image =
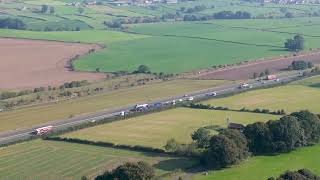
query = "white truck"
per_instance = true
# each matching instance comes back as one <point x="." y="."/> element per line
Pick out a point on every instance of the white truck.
<point x="245" y="86"/>
<point x="141" y="107"/>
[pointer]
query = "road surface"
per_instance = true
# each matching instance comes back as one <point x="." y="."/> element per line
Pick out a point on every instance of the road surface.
<point x="21" y="134"/>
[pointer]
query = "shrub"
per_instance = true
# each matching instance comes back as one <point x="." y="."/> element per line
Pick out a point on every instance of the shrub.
<point x="302" y="174"/>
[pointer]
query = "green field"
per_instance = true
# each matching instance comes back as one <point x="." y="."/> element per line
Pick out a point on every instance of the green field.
<point x="155" y="129"/>
<point x="262" y="167"/>
<point x="58" y="160"/>
<point x="184" y="46"/>
<point x="293" y="97"/>
<point x="27" y="117"/>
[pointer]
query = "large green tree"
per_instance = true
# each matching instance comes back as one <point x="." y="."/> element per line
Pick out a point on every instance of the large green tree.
<point x="222" y="152"/>
<point x="239" y="139"/>
<point x="201" y="137"/>
<point x="129" y="171"/>
<point x="287" y="134"/>
<point x="295" y="44"/>
<point x="259" y="137"/>
<point x="311" y="125"/>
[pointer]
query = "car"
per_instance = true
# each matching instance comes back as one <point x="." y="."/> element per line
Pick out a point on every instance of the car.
<point x="186" y="95"/>
<point x="180" y="100"/>
<point x="277" y="80"/>
<point x="190" y="98"/>
<point x="212" y="94"/>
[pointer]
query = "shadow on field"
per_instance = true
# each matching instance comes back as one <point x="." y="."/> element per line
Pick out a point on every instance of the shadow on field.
<point x="316" y="85"/>
<point x="175" y="164"/>
<point x="279" y="49"/>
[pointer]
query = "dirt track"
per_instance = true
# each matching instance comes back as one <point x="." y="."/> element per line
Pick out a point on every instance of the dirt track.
<point x="34" y="63"/>
<point x="245" y="71"/>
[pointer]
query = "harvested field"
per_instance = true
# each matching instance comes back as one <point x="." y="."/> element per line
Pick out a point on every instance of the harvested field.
<point x="34" y="63"/>
<point x="243" y="72"/>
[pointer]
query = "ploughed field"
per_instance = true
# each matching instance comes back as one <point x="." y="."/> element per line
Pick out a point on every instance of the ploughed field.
<point x="50" y="160"/>
<point x="155" y="129"/>
<point x="304" y="94"/>
<point x="33" y="63"/>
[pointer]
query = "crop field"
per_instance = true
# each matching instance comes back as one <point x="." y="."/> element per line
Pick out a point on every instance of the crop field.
<point x="29" y="116"/>
<point x="39" y="63"/>
<point x="155" y="129"/>
<point x="58" y="160"/>
<point x="263" y="167"/>
<point x="157" y="43"/>
<point x="296" y="96"/>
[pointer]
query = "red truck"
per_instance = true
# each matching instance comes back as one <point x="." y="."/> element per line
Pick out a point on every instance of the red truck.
<point x="42" y="130"/>
<point x="271" y="77"/>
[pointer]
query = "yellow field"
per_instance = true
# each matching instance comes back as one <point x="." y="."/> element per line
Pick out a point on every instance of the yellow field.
<point x="30" y="116"/>
<point x="50" y="160"/>
<point x="155" y="129"/>
<point x="297" y="96"/>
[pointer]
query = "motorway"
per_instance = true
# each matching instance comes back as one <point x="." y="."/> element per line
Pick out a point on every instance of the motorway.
<point x="21" y="134"/>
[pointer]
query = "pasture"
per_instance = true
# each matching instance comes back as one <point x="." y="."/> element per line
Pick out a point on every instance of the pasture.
<point x="155" y="129"/>
<point x="174" y="47"/>
<point x="263" y="167"/>
<point x="296" y="96"/>
<point x="38" y="114"/>
<point x="40" y="159"/>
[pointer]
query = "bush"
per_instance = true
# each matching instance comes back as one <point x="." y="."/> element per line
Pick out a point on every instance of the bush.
<point x="299" y="65"/>
<point x="302" y="174"/>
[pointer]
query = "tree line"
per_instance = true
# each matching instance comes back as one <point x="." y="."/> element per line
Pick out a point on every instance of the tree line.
<point x="117" y="23"/>
<point x="12" y="23"/>
<point x="232" y="146"/>
<point x="256" y="110"/>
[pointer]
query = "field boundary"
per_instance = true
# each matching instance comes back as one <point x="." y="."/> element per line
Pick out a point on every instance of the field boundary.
<point x="204" y="72"/>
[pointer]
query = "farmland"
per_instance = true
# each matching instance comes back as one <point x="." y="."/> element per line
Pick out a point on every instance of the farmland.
<point x="30" y="69"/>
<point x="157" y="44"/>
<point x="300" y="95"/>
<point x="133" y="53"/>
<point x="57" y="160"/>
<point x="155" y="129"/>
<point x="29" y="116"/>
<point x="263" y="167"/>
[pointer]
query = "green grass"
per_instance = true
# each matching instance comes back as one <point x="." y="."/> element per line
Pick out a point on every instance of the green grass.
<point x="155" y="129"/>
<point x="263" y="167"/>
<point x="293" y="97"/>
<point x="190" y="46"/>
<point x="205" y="43"/>
<point x="27" y="117"/>
<point x="59" y="160"/>
<point x="92" y="36"/>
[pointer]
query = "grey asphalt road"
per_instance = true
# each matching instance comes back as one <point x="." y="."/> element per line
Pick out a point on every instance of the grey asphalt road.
<point x="21" y="134"/>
